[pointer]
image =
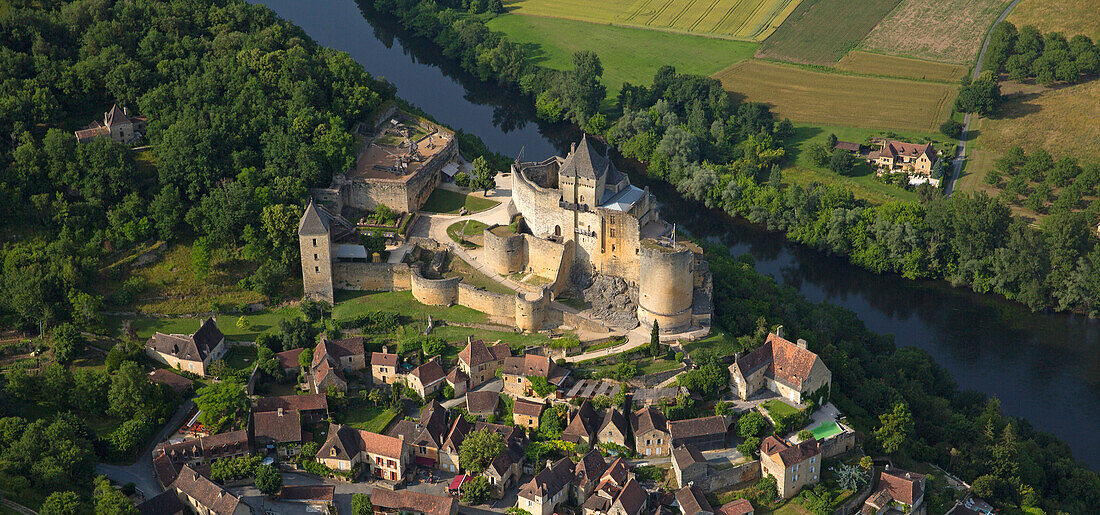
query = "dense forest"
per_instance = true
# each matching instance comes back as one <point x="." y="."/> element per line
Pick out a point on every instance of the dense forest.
<point x="245" y="113"/>
<point x="726" y="155"/>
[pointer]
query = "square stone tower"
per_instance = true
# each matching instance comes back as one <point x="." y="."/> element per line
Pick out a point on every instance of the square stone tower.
<point x="315" y="243"/>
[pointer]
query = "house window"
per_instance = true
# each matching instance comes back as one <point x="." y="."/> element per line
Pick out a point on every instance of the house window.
<point x="612" y="230"/>
<point x="317" y="269"/>
<point x="612" y="247"/>
<point x="315" y="257"/>
<point x="314" y="242"/>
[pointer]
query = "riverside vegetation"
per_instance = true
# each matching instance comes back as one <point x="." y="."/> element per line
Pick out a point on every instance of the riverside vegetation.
<point x="180" y="61"/>
<point x="727" y="155"/>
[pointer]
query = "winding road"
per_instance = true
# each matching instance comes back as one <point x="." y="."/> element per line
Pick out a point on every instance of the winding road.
<point x="960" y="159"/>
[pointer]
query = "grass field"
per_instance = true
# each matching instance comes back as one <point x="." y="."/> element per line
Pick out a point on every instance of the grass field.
<point x="779" y="409"/>
<point x="822" y="31"/>
<point x="837" y="99"/>
<point x="368" y="418"/>
<point x="893" y="66"/>
<point x="353" y="303"/>
<point x="1070" y="17"/>
<point x="627" y="54"/>
<point x="1063" y="121"/>
<point x="266" y="321"/>
<point x="941" y="30"/>
<point x="739" y="19"/>
<point x="451" y="202"/>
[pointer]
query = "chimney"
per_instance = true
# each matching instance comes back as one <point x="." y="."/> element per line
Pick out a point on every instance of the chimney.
<point x="801" y="343"/>
<point x="385" y="349"/>
<point x="401" y="437"/>
<point x="572" y="147"/>
<point x="779" y="331"/>
<point x="221" y="493"/>
<point x="280" y="412"/>
<point x="126" y="111"/>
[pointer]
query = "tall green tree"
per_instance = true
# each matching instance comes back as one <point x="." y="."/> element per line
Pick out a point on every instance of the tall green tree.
<point x="479" y="449"/>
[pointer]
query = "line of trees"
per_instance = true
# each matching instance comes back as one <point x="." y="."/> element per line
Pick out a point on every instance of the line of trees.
<point x="1028" y="54"/>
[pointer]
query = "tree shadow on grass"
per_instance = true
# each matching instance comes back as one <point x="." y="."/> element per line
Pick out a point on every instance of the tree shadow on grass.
<point x="1018" y="106"/>
<point x="800" y="135"/>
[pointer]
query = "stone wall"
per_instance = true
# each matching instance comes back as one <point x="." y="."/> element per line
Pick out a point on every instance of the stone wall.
<point x="503" y="253"/>
<point x="493" y="304"/>
<point x="434" y="292"/>
<point x="540" y="207"/>
<point x="619" y="253"/>
<point x="530" y="310"/>
<point x="651" y="380"/>
<point x="725" y="478"/>
<point x="838" y="444"/>
<point x="371" y="276"/>
<point x="550" y="259"/>
<point x="666" y="287"/>
<point x="316" y="254"/>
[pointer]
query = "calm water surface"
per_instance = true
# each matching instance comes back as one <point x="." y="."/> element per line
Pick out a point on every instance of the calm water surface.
<point x="1045" y="368"/>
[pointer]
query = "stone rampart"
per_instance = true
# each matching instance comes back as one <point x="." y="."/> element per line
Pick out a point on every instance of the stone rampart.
<point x="371" y="276"/>
<point x="434" y="292"/>
<point x="504" y="251"/>
<point x="494" y="304"/>
<point x="530" y="310"/>
<point x="539" y="206"/>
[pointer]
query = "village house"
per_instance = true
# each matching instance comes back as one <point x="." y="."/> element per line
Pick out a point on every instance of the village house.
<point x="388" y="502"/>
<point x="705" y="433"/>
<point x="280" y="429"/>
<point x="780" y="366"/>
<point x="483" y="404"/>
<point x="526" y="413"/>
<point x="480" y="362"/>
<point x="587" y="474"/>
<point x="385" y="457"/>
<point x="895" y="155"/>
<point x="899" y="490"/>
<point x="613" y="428"/>
<point x="688" y="465"/>
<point x="518" y="370"/>
<point x="204" y="450"/>
<point x="458" y="381"/>
<point x="204" y="496"/>
<point x="792" y="466"/>
<point x="118" y="124"/>
<point x="332" y="359"/>
<point x="192" y="353"/>
<point x="179" y="384"/>
<point x="448" y="452"/>
<point x="289" y="362"/>
<point x="311" y="407"/>
<point x="163" y="469"/>
<point x="630" y="499"/>
<point x="583" y="425"/>
<point x="548" y="489"/>
<point x="164" y="503"/>
<point x="424" y="436"/>
<point x="651" y="436"/>
<point x="504" y="472"/>
<point x="736" y="507"/>
<point x="383" y="367"/>
<point x="426" y="379"/>
<point x="693" y="502"/>
<point x="316" y="498"/>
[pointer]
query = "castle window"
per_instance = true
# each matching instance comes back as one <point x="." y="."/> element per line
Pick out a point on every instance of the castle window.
<point x="612" y="231"/>
<point x="315" y="257"/>
<point x="612" y="248"/>
<point x="314" y="242"/>
<point x="317" y="269"/>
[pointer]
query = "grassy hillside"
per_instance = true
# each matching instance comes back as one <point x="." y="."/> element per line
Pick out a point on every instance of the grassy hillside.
<point x="628" y="54"/>
<point x="940" y="30"/>
<point x="837" y="99"/>
<point x="1066" y="16"/>
<point x="823" y="31"/>
<point x="738" y="19"/>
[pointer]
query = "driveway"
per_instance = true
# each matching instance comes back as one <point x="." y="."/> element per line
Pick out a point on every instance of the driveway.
<point x="141" y="472"/>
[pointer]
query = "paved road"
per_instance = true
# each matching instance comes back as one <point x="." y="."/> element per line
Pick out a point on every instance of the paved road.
<point x="19" y="508"/>
<point x="960" y="159"/>
<point x="141" y="472"/>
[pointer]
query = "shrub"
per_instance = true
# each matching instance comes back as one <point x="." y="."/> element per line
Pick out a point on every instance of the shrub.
<point x="805" y="434"/>
<point x="462" y="179"/>
<point x="952" y="129"/>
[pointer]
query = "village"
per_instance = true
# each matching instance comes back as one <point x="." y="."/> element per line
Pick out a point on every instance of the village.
<point x="522" y="427"/>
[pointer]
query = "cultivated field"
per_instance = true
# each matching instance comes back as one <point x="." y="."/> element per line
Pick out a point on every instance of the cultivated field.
<point x="836" y="99"/>
<point x="879" y="64"/>
<point x="1070" y="17"/>
<point x="940" y="30"/>
<point x="628" y="54"/>
<point x="823" y="31"/>
<point x="739" y="19"/>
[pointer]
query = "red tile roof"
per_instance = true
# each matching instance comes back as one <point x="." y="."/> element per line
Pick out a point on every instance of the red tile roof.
<point x="477" y="353"/>
<point x="693" y="427"/>
<point x="205" y="492"/>
<point x="176" y="382"/>
<point x="535" y="365"/>
<point x="736" y="507"/>
<point x="525" y="407"/>
<point x="288" y="359"/>
<point x="903" y="486"/>
<point x="429" y="373"/>
<point x="788" y="455"/>
<point x="648" y="419"/>
<point x="308" y="402"/>
<point x="384" y="359"/>
<point x="784" y="360"/>
<point x="692" y="501"/>
<point x="348" y="442"/>
<point x="481" y="402"/>
<point x="279" y="427"/>
<point x="414" y="502"/>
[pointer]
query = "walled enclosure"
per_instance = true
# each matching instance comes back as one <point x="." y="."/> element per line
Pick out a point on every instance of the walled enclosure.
<point x="434" y="292"/>
<point x="371" y="276"/>
<point x="507" y="252"/>
<point x="665" y="290"/>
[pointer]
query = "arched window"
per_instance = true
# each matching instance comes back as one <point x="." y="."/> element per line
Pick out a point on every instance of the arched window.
<point x="557" y="230"/>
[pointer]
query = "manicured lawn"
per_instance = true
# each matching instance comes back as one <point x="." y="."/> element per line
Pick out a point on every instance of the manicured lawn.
<point x="450" y="202"/>
<point x="457" y="336"/>
<point x="627" y="54"/>
<point x="458" y="232"/>
<point x="474" y="277"/>
<point x="369" y="418"/>
<point x="779" y="409"/>
<point x="241" y="357"/>
<point x="351" y="304"/>
<point x="645" y="366"/>
<point x="719" y="343"/>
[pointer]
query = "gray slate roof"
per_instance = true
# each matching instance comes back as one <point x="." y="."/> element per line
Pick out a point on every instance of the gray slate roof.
<point x="315" y="221"/>
<point x="585" y="162"/>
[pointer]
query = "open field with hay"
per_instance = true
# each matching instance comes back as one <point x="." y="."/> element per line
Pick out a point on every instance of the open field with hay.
<point x="894" y="66"/>
<point x="751" y="20"/>
<point x="940" y="30"/>
<point x="1070" y="17"/>
<point x="627" y="54"/>
<point x="822" y="31"/>
<point x="837" y="99"/>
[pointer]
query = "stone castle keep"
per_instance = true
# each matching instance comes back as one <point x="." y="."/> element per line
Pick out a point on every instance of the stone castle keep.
<point x="576" y="216"/>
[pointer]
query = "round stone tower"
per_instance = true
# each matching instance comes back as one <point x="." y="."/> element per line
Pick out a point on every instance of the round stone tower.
<point x="665" y="286"/>
<point x="503" y="251"/>
<point x="531" y="310"/>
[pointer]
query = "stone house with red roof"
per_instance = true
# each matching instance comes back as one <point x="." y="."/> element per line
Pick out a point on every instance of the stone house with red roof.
<point x="383" y="457"/>
<point x="609" y="499"/>
<point x="193" y="353"/>
<point x="205" y="497"/>
<point x="651" y="436"/>
<point x="897" y="489"/>
<point x="526" y="414"/>
<point x="692" y="501"/>
<point x="280" y="429"/>
<point x="204" y="450"/>
<point x="736" y="507"/>
<point x="388" y="502"/>
<point x="333" y="359"/>
<point x="383" y="367"/>
<point x="517" y="371"/>
<point x="705" y="433"/>
<point x="785" y="368"/>
<point x="288" y="361"/>
<point x="583" y="425"/>
<point x="480" y="362"/>
<point x="688" y="465"/>
<point x="504" y="472"/>
<point x="901" y="156"/>
<point x="424" y="436"/>
<point x="792" y="466"/>
<point x="427" y="378"/>
<point x="548" y="489"/>
<point x="118" y="124"/>
<point x="312" y="407"/>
